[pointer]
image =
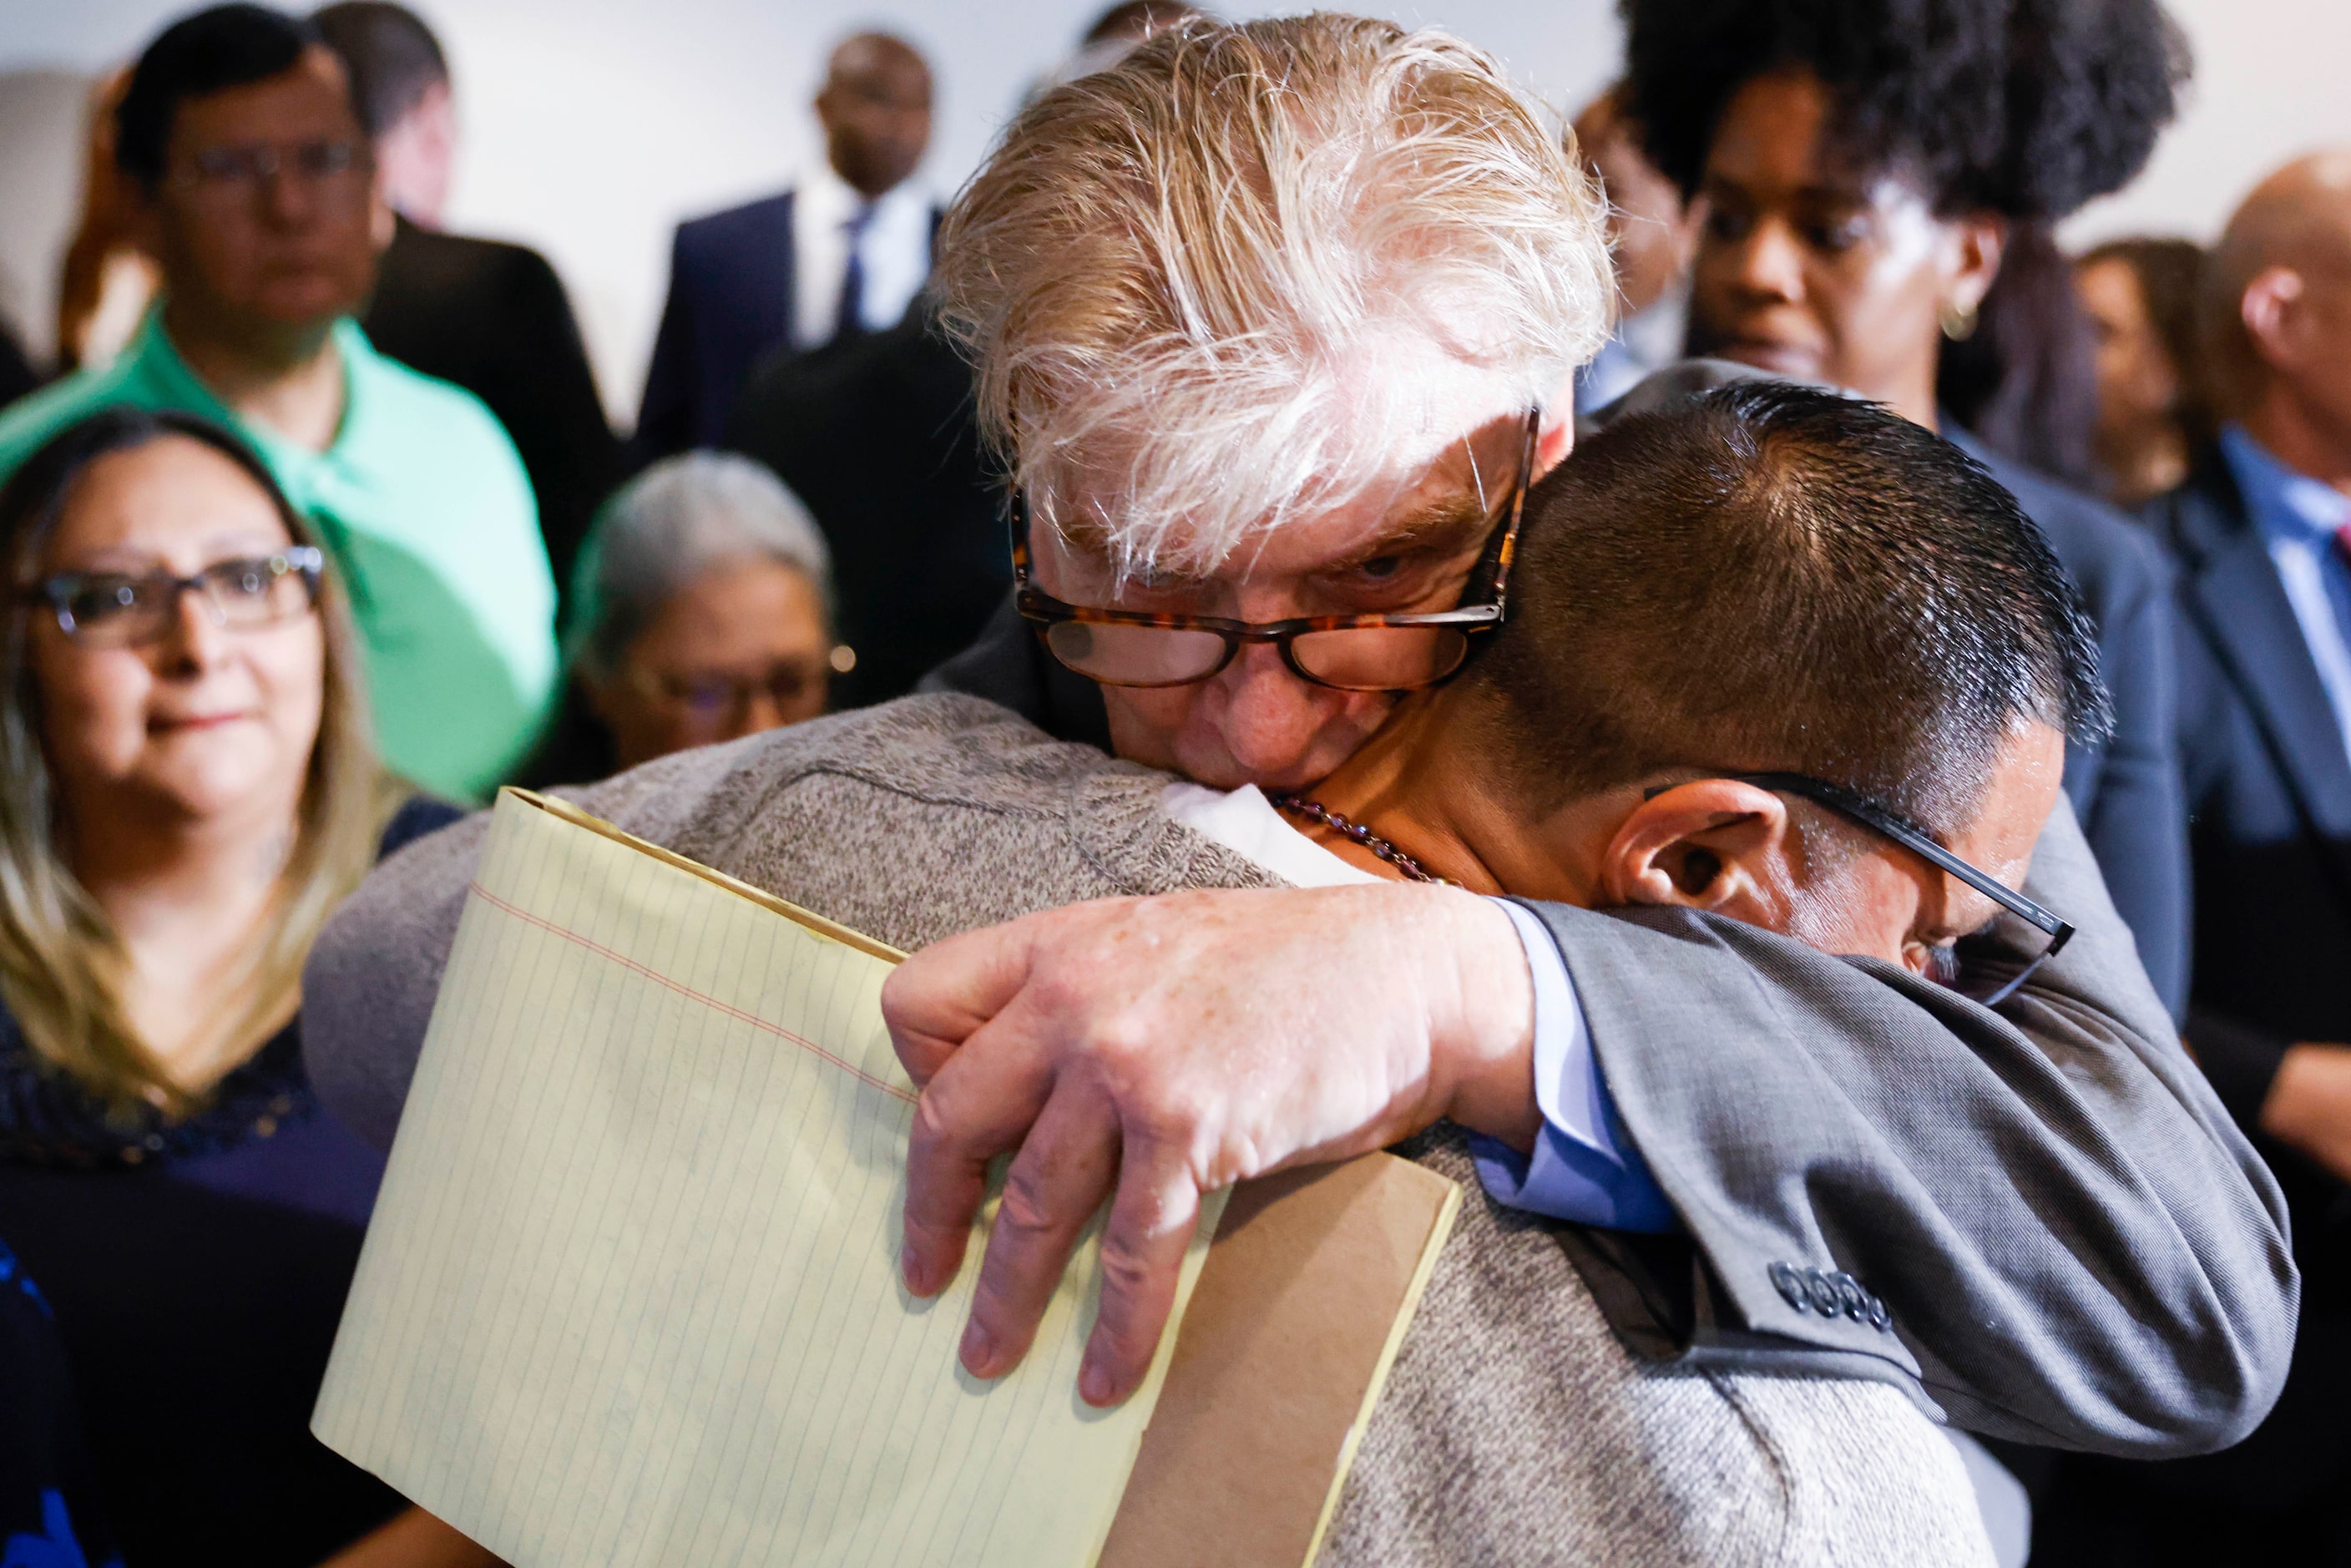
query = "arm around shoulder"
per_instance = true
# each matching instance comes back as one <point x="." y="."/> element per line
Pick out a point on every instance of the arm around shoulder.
<point x="2077" y="1246"/>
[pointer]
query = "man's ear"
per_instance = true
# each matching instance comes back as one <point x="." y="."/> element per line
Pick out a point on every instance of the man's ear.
<point x="141" y="212"/>
<point x="1557" y="437"/>
<point x="1715" y="844"/>
<point x="2269" y="308"/>
<point x="383" y="224"/>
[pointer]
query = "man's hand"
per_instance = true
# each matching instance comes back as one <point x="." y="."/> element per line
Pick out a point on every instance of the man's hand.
<point x="2309" y="1105"/>
<point x="1170" y="1047"/>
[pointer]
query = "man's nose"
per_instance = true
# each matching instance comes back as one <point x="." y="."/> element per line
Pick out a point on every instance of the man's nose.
<point x="288" y="196"/>
<point x="1272" y="715"/>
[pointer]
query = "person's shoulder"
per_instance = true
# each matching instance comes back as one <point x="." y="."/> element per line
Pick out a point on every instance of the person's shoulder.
<point x="2203" y="514"/>
<point x="732" y="224"/>
<point x="472" y="261"/>
<point x="29" y="421"/>
<point x="418" y="815"/>
<point x="457" y="427"/>
<point x="947" y="747"/>
<point x="2111" y="556"/>
<point x="946" y="755"/>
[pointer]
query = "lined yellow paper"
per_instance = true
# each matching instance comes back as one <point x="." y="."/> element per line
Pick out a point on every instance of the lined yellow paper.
<point x="631" y="1292"/>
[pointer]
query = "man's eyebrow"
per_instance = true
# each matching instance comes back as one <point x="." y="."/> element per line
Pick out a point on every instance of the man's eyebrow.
<point x="1440" y="525"/>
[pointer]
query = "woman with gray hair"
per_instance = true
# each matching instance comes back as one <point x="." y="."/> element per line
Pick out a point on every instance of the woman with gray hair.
<point x="702" y="611"/>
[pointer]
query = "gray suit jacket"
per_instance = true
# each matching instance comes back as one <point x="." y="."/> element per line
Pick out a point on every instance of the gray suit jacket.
<point x="2076" y="1245"/>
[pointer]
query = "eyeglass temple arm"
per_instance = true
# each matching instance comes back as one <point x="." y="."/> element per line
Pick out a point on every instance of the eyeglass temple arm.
<point x="1868" y="814"/>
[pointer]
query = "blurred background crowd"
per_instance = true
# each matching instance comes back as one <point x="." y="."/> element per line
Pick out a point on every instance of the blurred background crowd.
<point x="563" y="514"/>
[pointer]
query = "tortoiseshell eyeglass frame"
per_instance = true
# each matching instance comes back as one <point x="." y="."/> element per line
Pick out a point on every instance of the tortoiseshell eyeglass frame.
<point x="1484" y="597"/>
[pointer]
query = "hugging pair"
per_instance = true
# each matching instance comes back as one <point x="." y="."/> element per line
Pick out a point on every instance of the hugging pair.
<point x="1771" y="653"/>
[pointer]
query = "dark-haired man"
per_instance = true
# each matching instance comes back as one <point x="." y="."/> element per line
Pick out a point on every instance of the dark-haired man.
<point x="841" y="254"/>
<point x="1625" y="739"/>
<point x="488" y="315"/>
<point x="255" y="191"/>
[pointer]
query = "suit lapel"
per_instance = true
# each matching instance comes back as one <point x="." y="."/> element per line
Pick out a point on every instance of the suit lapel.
<point x="2235" y="595"/>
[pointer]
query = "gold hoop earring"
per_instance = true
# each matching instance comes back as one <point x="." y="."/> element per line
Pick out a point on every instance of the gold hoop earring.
<point x="1960" y="321"/>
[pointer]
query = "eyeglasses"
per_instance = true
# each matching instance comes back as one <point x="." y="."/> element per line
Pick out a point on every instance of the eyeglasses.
<point x="118" y="609"/>
<point x="1382" y="653"/>
<point x="246" y="167"/>
<point x="709" y="699"/>
<point x="1883" y="821"/>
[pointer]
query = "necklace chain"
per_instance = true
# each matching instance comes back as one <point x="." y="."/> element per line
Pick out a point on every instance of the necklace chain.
<point x="1349" y="828"/>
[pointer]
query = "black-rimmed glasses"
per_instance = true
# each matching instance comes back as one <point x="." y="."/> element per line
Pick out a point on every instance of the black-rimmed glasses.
<point x="121" y="610"/>
<point x="244" y="168"/>
<point x="1883" y="821"/>
<point x="1371" y="652"/>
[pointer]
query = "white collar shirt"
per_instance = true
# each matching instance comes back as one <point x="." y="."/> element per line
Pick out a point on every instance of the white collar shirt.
<point x="893" y="248"/>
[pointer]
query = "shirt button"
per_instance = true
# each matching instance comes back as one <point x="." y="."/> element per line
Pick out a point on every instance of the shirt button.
<point x="1824" y="1294"/>
<point x="1881" y="1317"/>
<point x="1855" y="1299"/>
<point x="1791" y="1286"/>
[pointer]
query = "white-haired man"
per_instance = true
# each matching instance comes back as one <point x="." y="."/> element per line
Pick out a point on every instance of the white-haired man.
<point x="1271" y="320"/>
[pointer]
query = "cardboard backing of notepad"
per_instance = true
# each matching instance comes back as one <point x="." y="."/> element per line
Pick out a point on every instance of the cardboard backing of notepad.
<point x="1306" y="1294"/>
<point x="1305" y="1297"/>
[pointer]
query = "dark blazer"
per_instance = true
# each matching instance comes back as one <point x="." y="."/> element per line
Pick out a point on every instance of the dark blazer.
<point x="494" y="318"/>
<point x="2269" y="787"/>
<point x="729" y="306"/>
<point x="2128" y="790"/>
<point x="876" y="435"/>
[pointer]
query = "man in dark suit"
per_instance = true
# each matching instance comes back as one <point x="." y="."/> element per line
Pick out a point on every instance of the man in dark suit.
<point x="841" y="254"/>
<point x="491" y="317"/>
<point x="876" y="434"/>
<point x="2264" y="597"/>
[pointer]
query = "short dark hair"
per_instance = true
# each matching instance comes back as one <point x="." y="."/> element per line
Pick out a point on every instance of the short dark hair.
<point x="2025" y="108"/>
<point x="1773" y="577"/>
<point x="391" y="55"/>
<point x="207" y="52"/>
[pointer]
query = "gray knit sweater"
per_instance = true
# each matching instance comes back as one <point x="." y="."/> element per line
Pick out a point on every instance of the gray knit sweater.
<point x="1515" y="1427"/>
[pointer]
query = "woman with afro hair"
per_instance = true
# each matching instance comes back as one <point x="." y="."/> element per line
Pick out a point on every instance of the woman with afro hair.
<point x="1864" y="167"/>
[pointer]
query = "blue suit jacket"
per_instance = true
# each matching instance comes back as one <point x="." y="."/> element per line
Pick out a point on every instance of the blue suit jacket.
<point x="730" y="305"/>
<point x="2127" y="793"/>
<point x="2270" y="785"/>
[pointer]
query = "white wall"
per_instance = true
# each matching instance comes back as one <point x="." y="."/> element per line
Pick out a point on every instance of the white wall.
<point x="2270" y="83"/>
<point x="594" y="125"/>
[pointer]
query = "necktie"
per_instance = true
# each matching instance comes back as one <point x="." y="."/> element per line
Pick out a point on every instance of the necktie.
<point x="849" y="320"/>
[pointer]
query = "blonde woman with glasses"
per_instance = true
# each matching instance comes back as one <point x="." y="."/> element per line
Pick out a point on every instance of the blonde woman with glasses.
<point x="187" y="790"/>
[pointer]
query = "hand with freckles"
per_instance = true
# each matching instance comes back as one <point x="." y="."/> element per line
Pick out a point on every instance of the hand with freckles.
<point x="1016" y="1043"/>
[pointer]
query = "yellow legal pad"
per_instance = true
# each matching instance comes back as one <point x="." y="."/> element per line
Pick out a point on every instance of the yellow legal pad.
<point x="631" y="1292"/>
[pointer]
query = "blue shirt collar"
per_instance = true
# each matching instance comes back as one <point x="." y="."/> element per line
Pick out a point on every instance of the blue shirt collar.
<point x="2284" y="504"/>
